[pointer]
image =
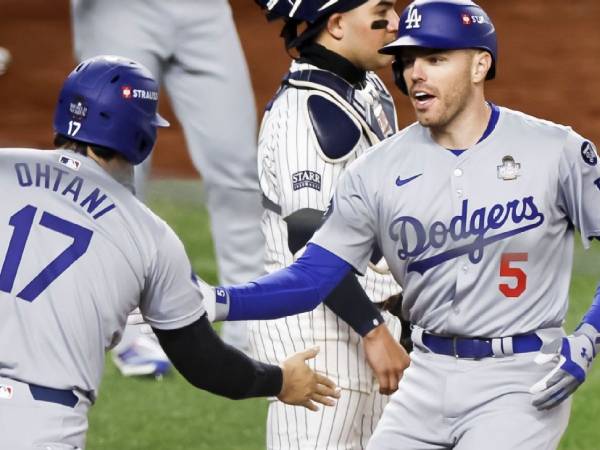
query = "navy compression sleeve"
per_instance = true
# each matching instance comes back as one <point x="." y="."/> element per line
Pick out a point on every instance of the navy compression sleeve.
<point x="208" y="363"/>
<point x="291" y="290"/>
<point x="348" y="300"/>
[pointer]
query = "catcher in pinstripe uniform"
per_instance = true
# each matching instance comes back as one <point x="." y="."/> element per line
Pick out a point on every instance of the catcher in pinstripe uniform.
<point x="329" y="110"/>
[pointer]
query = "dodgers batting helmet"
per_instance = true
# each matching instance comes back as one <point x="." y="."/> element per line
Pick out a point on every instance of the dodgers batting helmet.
<point x="111" y="102"/>
<point x="313" y="12"/>
<point x="443" y="25"/>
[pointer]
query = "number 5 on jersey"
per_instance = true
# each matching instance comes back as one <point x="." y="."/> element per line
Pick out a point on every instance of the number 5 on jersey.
<point x="22" y="222"/>
<point x="513" y="290"/>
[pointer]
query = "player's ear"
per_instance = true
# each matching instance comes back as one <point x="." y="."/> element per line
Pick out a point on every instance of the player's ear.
<point x="482" y="62"/>
<point x="335" y="26"/>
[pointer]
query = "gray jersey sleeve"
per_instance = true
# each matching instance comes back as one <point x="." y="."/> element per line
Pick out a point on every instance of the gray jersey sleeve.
<point x="171" y="298"/>
<point x="579" y="186"/>
<point x="350" y="228"/>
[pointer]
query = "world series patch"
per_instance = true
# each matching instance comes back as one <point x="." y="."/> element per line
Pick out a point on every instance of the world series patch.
<point x="306" y="179"/>
<point x="509" y="170"/>
<point x="588" y="153"/>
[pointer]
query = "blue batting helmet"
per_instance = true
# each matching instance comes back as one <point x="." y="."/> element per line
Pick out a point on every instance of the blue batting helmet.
<point x="444" y="25"/>
<point x="312" y="12"/>
<point x="111" y="102"/>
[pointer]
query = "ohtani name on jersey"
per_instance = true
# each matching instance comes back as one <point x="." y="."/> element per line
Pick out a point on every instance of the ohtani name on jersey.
<point x="91" y="199"/>
<point x="306" y="179"/>
<point x="415" y="239"/>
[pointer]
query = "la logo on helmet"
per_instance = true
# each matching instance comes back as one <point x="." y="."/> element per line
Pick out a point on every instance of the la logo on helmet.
<point x="413" y="18"/>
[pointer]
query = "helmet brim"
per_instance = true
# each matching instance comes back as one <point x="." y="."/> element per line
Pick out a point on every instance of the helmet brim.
<point x="395" y="47"/>
<point x="160" y="121"/>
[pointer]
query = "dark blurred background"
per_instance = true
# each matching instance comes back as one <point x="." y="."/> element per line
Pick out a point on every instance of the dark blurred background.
<point x="548" y="66"/>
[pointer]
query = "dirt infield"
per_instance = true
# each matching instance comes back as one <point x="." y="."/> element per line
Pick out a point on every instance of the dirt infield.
<point x="548" y="67"/>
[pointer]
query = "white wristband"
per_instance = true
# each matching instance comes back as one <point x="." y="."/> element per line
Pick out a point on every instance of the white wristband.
<point x="216" y="301"/>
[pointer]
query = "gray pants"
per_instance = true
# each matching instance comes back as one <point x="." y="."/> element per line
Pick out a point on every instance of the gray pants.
<point x="449" y="403"/>
<point x="29" y="424"/>
<point x="192" y="48"/>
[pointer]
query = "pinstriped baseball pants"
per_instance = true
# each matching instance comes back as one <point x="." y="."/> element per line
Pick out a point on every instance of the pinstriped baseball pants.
<point x="346" y="426"/>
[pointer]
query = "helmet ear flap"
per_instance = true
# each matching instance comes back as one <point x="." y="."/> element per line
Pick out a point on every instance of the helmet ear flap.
<point x="398" y="71"/>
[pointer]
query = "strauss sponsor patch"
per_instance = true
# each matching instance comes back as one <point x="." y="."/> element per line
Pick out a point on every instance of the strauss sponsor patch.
<point x="306" y="179"/>
<point x="128" y="92"/>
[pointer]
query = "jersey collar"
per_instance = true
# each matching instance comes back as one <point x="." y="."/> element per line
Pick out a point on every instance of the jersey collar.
<point x="325" y="59"/>
<point x="492" y="122"/>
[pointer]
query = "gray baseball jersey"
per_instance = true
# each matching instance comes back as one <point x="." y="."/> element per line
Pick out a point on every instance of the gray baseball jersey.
<point x="481" y="242"/>
<point x="78" y="252"/>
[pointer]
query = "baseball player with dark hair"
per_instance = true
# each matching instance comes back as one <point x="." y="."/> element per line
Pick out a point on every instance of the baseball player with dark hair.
<point x="474" y="207"/>
<point x="330" y="109"/>
<point x="78" y="252"/>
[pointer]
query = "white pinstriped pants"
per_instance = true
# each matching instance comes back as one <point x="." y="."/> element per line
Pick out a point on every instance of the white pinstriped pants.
<point x="346" y="426"/>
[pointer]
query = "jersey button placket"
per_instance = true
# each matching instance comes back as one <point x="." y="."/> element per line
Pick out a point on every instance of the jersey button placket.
<point x="457" y="176"/>
<point x="458" y="194"/>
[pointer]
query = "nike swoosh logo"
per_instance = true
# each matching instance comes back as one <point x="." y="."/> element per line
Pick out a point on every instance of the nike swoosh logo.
<point x="402" y="182"/>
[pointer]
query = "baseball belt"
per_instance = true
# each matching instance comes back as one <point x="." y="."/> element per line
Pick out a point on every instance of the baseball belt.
<point x="478" y="348"/>
<point x="64" y="397"/>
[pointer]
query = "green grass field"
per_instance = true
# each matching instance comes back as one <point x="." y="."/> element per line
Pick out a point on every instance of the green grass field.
<point x="141" y="413"/>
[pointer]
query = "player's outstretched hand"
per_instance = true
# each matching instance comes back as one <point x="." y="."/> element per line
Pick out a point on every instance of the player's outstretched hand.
<point x="387" y="358"/>
<point x="573" y="356"/>
<point x="302" y="386"/>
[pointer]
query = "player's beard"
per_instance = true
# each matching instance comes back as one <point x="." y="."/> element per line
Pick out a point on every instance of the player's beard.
<point x="450" y="103"/>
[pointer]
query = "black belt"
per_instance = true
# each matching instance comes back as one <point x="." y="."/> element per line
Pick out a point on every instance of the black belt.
<point x="61" y="396"/>
<point x="477" y="348"/>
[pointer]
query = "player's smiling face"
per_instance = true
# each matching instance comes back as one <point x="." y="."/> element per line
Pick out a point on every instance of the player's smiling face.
<point x="442" y="84"/>
<point x="360" y="33"/>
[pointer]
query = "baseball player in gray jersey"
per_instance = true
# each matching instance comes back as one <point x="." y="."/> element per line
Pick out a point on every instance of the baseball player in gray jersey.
<point x="78" y="252"/>
<point x="192" y="48"/>
<point x="329" y="110"/>
<point x="475" y="208"/>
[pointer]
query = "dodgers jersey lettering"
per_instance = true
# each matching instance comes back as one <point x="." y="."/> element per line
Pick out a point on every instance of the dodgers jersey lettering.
<point x="78" y="252"/>
<point x="296" y="173"/>
<point x="472" y="238"/>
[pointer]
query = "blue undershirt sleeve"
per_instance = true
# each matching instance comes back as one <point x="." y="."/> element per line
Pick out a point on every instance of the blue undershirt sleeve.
<point x="593" y="314"/>
<point x="295" y="289"/>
